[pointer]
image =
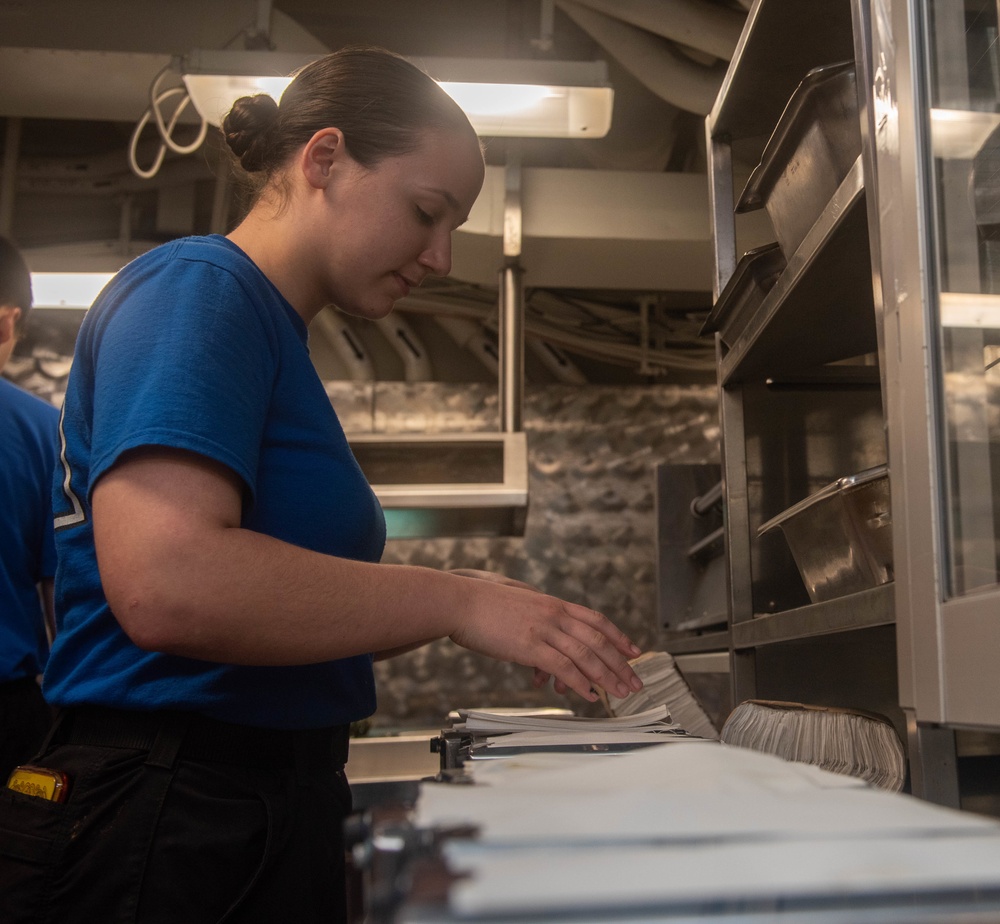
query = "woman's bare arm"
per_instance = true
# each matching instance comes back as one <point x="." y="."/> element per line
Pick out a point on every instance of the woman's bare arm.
<point x="183" y="577"/>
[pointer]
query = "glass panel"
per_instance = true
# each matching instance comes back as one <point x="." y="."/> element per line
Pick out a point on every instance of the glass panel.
<point x="964" y="101"/>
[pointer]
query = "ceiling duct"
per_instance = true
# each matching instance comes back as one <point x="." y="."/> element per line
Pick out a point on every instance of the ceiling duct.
<point x="347" y="345"/>
<point x="698" y="24"/>
<point x="652" y="59"/>
<point x="408" y="347"/>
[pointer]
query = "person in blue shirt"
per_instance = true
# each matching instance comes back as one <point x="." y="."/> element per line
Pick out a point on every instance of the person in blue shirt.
<point x="28" y="451"/>
<point x="219" y="593"/>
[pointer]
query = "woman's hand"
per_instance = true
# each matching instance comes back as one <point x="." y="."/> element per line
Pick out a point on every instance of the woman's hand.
<point x="541" y="677"/>
<point x="580" y="648"/>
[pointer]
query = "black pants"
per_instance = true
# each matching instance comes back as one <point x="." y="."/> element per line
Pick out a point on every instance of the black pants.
<point x="25" y="719"/>
<point x="174" y="819"/>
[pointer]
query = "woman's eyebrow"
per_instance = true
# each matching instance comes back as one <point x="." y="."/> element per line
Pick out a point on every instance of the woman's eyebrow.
<point x="444" y="194"/>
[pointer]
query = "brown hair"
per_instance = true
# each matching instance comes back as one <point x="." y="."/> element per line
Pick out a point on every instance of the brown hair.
<point x="379" y="100"/>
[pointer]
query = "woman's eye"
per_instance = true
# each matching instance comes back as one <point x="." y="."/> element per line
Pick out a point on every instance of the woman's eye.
<point x="424" y="217"/>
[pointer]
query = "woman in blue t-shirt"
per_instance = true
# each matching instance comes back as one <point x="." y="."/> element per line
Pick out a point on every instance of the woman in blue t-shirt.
<point x="219" y="592"/>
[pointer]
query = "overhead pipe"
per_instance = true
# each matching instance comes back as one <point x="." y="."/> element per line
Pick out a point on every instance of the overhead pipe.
<point x="346" y="344"/>
<point x="556" y="361"/>
<point x="698" y="24"/>
<point x="473" y="337"/>
<point x="654" y="61"/>
<point x="479" y="342"/>
<point x="408" y="346"/>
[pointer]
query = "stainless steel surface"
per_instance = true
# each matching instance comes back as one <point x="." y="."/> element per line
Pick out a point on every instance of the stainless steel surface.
<point x="795" y="439"/>
<point x="690" y="553"/>
<point x="814" y="144"/>
<point x="935" y="773"/>
<point x="841" y="536"/>
<point x="391" y="758"/>
<point x="720" y="209"/>
<point x="800" y="398"/>
<point x="862" y="610"/>
<point x="781" y="41"/>
<point x="755" y="276"/>
<point x="512" y="303"/>
<point x="511" y="348"/>
<point x="924" y="56"/>
<point x="820" y="309"/>
<point x="485" y="494"/>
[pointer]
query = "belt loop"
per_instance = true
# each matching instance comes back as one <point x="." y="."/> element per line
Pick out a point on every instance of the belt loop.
<point x="169" y="738"/>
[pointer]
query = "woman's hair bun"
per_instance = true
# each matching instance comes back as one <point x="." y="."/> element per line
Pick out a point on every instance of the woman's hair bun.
<point x="247" y="129"/>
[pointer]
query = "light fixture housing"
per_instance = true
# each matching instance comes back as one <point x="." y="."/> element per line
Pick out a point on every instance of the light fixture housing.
<point x="501" y="97"/>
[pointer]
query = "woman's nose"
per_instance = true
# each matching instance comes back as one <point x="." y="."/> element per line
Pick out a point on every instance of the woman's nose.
<point x="437" y="257"/>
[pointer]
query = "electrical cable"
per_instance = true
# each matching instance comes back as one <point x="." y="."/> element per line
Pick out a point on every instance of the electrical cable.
<point x="165" y="129"/>
<point x="560" y="318"/>
<point x="691" y="358"/>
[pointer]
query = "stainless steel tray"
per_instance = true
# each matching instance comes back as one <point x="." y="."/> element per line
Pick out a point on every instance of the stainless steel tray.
<point x="815" y="143"/>
<point x="841" y="536"/>
<point x="754" y="277"/>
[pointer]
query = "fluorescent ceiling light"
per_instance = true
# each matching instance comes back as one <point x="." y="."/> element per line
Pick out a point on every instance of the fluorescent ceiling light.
<point x="66" y="290"/>
<point x="513" y="98"/>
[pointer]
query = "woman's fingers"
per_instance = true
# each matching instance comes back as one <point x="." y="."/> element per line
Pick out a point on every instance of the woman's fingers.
<point x="606" y="627"/>
<point x="582" y="663"/>
<point x="576" y="646"/>
<point x="599" y="649"/>
<point x="581" y="656"/>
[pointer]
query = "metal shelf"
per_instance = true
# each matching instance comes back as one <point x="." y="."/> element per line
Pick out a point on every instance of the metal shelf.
<point x="780" y="44"/>
<point x="695" y="644"/>
<point x="486" y="496"/>
<point x="862" y="610"/>
<point x="821" y="309"/>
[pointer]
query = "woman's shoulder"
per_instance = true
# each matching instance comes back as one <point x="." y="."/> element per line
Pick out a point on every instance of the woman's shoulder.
<point x="183" y="270"/>
<point x="208" y="249"/>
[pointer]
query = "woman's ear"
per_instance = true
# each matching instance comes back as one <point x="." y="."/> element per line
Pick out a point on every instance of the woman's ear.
<point x="320" y="154"/>
<point x="9" y="315"/>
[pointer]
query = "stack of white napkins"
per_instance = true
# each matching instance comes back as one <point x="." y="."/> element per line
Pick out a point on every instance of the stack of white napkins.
<point x="843" y="740"/>
<point x="501" y="733"/>
<point x="663" y="683"/>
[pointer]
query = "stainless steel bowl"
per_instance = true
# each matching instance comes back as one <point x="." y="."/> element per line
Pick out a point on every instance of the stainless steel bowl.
<point x="841" y="536"/>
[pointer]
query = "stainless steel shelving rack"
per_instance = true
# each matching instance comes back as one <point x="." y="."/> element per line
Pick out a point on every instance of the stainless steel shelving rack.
<point x="800" y="391"/>
<point x="876" y="344"/>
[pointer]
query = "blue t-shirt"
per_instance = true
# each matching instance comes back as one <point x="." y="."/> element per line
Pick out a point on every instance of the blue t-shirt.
<point x="190" y="346"/>
<point x="29" y="444"/>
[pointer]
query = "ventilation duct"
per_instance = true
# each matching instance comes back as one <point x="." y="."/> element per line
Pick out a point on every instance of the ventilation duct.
<point x="697" y="24"/>
<point x="653" y="60"/>
<point x="346" y="344"/>
<point x="473" y="337"/>
<point x="408" y="347"/>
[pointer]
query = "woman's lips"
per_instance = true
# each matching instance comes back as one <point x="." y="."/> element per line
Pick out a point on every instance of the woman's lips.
<point x="404" y="284"/>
